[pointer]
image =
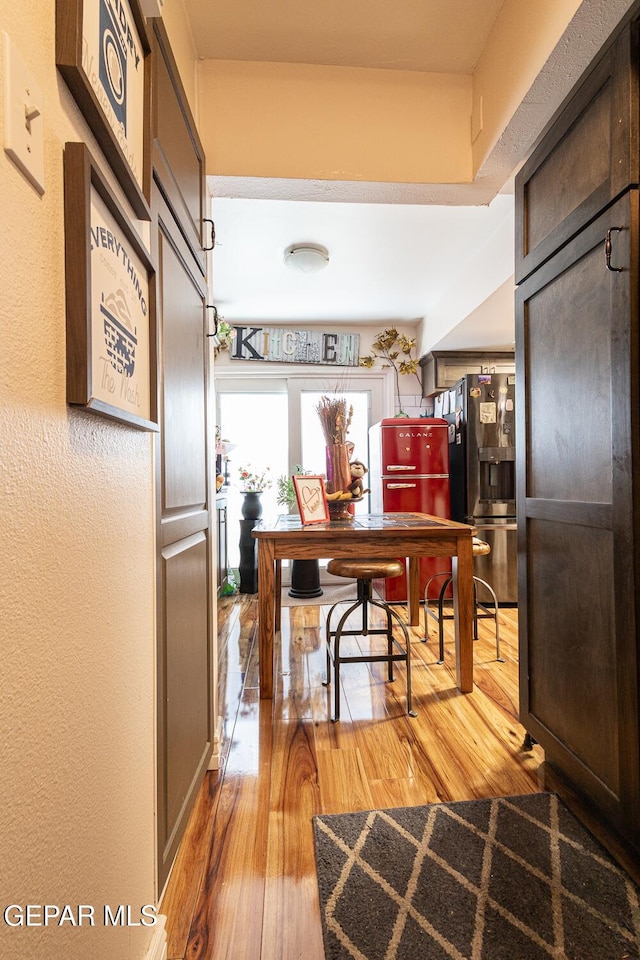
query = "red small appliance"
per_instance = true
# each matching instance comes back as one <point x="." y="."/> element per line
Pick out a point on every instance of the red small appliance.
<point x="409" y="473"/>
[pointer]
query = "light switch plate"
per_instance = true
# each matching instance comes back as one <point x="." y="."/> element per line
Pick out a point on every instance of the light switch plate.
<point x="23" y="120"/>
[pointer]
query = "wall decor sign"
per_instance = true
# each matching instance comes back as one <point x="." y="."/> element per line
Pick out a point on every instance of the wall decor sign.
<point x="284" y="345"/>
<point x="312" y="498"/>
<point x="110" y="300"/>
<point x="102" y="51"/>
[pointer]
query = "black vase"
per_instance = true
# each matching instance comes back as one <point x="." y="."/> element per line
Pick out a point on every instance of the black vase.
<point x="252" y="505"/>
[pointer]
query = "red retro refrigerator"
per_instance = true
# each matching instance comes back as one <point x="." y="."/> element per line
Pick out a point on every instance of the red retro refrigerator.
<point x="409" y="473"/>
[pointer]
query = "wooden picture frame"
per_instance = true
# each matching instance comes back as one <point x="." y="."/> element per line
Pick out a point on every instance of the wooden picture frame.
<point x="103" y="53"/>
<point x="110" y="300"/>
<point x="311" y="497"/>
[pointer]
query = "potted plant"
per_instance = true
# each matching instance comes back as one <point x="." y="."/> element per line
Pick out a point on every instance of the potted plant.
<point x="252" y="484"/>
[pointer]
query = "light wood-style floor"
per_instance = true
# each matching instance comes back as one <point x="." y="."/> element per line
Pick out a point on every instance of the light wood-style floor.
<point x="243" y="886"/>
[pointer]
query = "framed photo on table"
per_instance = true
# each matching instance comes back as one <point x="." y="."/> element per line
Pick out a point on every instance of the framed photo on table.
<point x="312" y="498"/>
<point x="110" y="300"/>
<point x="103" y="53"/>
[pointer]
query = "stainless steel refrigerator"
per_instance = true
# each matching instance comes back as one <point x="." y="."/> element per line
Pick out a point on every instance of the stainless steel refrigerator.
<point x="480" y="411"/>
<point x="409" y="473"/>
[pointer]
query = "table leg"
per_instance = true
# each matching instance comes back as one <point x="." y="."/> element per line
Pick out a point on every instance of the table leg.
<point x="414" y="591"/>
<point x="278" y="594"/>
<point x="266" y="618"/>
<point x="462" y="568"/>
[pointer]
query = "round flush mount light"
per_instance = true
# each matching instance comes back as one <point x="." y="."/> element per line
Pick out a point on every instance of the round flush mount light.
<point x="306" y="257"/>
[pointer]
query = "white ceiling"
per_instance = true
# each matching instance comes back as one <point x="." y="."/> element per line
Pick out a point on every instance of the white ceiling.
<point x="387" y="262"/>
<point x="392" y="259"/>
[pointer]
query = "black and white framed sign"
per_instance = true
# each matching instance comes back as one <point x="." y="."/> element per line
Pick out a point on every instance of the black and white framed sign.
<point x="110" y="300"/>
<point x="102" y="51"/>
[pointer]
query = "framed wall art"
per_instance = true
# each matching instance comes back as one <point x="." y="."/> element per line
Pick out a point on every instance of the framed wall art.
<point x="312" y="498"/>
<point x="102" y="51"/>
<point x="110" y="300"/>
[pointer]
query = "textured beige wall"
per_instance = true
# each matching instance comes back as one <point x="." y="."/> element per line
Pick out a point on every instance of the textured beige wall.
<point x="519" y="44"/>
<point x="76" y="584"/>
<point x="334" y="123"/>
<point x="179" y="32"/>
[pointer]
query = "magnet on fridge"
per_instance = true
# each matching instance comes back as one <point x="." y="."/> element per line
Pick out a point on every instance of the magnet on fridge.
<point x="484" y="378"/>
<point x="503" y="389"/>
<point x="459" y="438"/>
<point x="475" y="392"/>
<point x="451" y="432"/>
<point x="511" y="379"/>
<point x="509" y="405"/>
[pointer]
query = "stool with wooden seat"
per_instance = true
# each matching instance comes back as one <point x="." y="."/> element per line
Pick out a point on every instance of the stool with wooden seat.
<point x="365" y="571"/>
<point x="481" y="611"/>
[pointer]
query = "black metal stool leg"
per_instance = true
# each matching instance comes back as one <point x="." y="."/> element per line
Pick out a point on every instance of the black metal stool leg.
<point x="443" y="590"/>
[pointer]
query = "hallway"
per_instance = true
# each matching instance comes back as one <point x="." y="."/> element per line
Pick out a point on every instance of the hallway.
<point x="244" y="884"/>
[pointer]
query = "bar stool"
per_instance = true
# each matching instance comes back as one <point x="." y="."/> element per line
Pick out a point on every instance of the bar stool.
<point x="480" y="548"/>
<point x="365" y="571"/>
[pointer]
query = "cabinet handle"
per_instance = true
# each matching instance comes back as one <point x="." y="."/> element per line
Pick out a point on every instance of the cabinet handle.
<point x="607" y="250"/>
<point x="212" y="242"/>
<point x="210" y="306"/>
<point x="401" y="486"/>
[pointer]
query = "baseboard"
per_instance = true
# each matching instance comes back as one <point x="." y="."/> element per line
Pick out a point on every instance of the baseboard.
<point x="158" y="946"/>
<point x="214" y="762"/>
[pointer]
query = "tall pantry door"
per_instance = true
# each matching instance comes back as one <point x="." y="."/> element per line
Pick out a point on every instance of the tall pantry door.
<point x="578" y="448"/>
<point x="184" y="492"/>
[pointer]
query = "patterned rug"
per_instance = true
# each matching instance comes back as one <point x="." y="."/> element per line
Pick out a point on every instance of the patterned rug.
<point x="513" y="878"/>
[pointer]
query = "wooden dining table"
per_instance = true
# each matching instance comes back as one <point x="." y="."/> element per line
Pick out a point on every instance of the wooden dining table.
<point x="409" y="535"/>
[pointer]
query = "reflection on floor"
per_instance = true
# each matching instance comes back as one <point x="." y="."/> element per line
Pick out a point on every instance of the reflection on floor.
<point x="244" y="886"/>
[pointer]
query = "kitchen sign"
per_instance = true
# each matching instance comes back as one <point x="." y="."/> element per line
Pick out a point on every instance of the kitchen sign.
<point x="284" y="345"/>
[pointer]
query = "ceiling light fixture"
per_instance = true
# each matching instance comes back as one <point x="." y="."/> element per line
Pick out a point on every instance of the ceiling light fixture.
<point x="306" y="257"/>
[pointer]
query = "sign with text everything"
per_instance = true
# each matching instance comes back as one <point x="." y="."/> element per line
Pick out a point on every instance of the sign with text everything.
<point x="285" y="345"/>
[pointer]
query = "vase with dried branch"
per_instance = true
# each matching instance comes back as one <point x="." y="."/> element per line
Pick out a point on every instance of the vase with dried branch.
<point x="396" y="351"/>
<point x="335" y="420"/>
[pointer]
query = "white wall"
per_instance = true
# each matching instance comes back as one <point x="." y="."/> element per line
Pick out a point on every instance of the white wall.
<point x="76" y="584"/>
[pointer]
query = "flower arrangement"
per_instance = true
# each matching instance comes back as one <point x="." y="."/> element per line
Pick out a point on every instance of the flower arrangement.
<point x="224" y="337"/>
<point x="253" y="482"/>
<point x="397" y="351"/>
<point x="335" y="419"/>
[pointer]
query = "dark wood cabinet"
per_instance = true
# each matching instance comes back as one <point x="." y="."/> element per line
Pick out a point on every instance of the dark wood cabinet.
<point x="588" y="158"/>
<point x="441" y="369"/>
<point x="578" y="448"/>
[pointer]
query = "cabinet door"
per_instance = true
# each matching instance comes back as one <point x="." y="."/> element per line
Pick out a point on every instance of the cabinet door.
<point x="577" y="354"/>
<point x="589" y="157"/>
<point x="184" y="465"/>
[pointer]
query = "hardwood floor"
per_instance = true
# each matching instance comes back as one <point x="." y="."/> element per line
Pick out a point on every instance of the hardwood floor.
<point x="243" y="886"/>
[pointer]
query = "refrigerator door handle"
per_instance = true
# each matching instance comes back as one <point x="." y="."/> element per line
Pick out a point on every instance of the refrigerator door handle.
<point x="401" y="466"/>
<point x="401" y="486"/>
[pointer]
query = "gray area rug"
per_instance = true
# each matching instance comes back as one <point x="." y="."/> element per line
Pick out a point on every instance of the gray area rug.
<point x="513" y="878"/>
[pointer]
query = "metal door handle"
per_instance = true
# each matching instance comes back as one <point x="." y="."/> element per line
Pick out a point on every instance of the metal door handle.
<point x="400" y="486"/>
<point x="607" y="250"/>
<point x="212" y="242"/>
<point x="400" y="466"/>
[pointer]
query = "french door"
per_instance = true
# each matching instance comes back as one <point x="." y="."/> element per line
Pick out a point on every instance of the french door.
<point x="271" y="423"/>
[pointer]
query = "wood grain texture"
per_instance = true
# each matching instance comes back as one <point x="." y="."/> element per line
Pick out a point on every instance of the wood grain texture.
<point x="244" y="885"/>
